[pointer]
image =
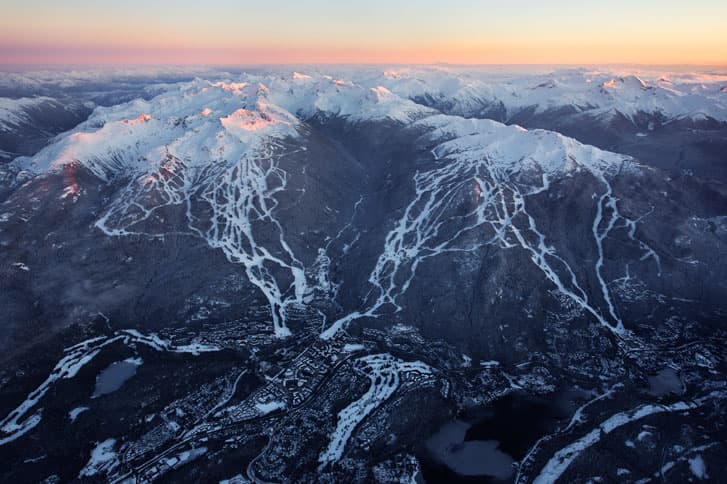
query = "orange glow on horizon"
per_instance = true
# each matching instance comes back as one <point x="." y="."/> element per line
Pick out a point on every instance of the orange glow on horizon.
<point x="425" y="54"/>
<point x="224" y="32"/>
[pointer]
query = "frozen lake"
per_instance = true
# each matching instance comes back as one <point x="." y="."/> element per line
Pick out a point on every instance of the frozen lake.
<point x="115" y="375"/>
<point x="665" y="382"/>
<point x="469" y="458"/>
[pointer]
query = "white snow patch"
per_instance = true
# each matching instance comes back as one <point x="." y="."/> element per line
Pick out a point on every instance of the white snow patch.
<point x="103" y="459"/>
<point x="268" y="407"/>
<point x="698" y="467"/>
<point x="350" y="347"/>
<point x="137" y="361"/>
<point x="74" y="413"/>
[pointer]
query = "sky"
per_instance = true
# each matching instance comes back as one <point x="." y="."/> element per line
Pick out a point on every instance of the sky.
<point x="240" y="32"/>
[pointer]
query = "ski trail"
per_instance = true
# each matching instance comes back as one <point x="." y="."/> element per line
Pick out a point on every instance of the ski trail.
<point x="226" y="206"/>
<point x="385" y="373"/>
<point x="563" y="458"/>
<point x="240" y="197"/>
<point x="16" y="424"/>
<point x="576" y="419"/>
<point x="494" y="196"/>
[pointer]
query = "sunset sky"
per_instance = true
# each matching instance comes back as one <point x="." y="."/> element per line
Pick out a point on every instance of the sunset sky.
<point x="374" y="31"/>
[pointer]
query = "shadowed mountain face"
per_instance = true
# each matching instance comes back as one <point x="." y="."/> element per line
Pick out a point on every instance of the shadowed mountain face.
<point x="310" y="278"/>
<point x="26" y="124"/>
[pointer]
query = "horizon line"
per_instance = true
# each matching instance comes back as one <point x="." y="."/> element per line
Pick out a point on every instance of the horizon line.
<point x="353" y="64"/>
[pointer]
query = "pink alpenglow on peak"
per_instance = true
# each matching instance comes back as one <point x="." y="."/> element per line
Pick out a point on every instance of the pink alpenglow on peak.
<point x="243" y="120"/>
<point x="142" y="118"/>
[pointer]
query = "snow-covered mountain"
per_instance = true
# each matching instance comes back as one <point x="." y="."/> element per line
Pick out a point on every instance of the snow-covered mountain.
<point x="14" y="112"/>
<point x="205" y="141"/>
<point x="211" y="147"/>
<point x="208" y="123"/>
<point x="367" y="275"/>
<point x="663" y="118"/>
<point x="600" y="93"/>
<point x="211" y="123"/>
<point x="26" y="123"/>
